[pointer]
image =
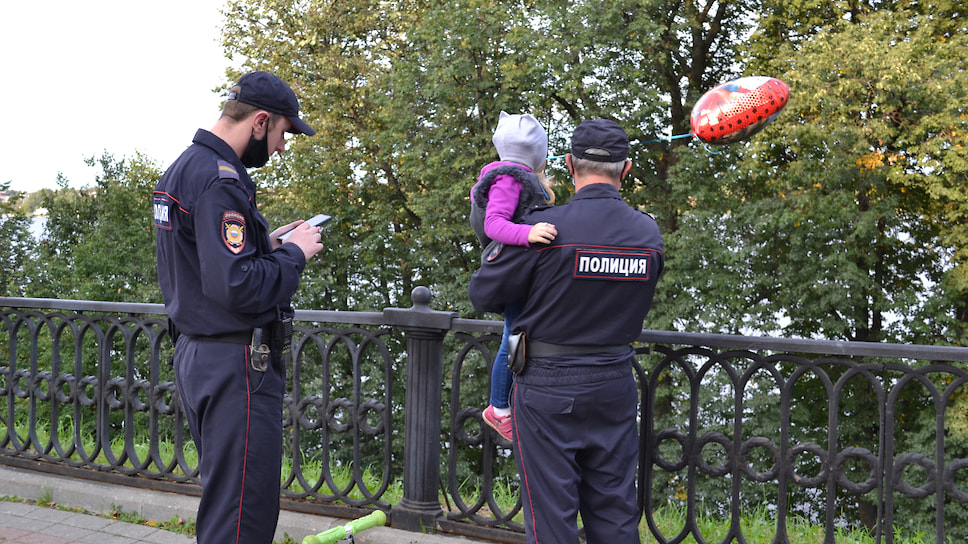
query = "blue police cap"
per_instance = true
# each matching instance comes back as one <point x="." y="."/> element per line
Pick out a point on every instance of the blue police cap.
<point x="266" y="91"/>
<point x="600" y="140"/>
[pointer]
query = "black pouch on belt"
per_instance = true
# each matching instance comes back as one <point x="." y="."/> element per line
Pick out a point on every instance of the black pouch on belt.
<point x="516" y="355"/>
<point x="282" y="339"/>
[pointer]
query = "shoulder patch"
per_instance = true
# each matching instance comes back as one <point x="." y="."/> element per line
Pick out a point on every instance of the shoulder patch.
<point x="227" y="171"/>
<point x="233" y="231"/>
<point x="162" y="205"/>
<point x="492" y="251"/>
<point x="613" y="265"/>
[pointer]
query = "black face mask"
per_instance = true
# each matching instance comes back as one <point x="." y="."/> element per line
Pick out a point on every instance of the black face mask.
<point x="256" y="153"/>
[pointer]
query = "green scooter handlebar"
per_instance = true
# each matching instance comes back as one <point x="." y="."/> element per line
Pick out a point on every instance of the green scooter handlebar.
<point x="334" y="535"/>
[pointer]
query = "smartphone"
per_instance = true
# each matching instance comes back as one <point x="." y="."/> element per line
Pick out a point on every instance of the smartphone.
<point x="316" y="221"/>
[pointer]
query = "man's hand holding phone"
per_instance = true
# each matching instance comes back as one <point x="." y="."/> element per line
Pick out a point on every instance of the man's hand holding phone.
<point x="304" y="234"/>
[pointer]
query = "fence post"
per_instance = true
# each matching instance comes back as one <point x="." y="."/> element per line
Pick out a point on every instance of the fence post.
<point x="425" y="330"/>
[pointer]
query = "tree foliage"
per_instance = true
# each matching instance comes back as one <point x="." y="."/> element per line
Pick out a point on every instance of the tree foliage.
<point x="844" y="219"/>
<point x="829" y="224"/>
<point x="838" y="220"/>
<point x="407" y="95"/>
<point x="841" y="221"/>
<point x="98" y="243"/>
<point x="15" y="244"/>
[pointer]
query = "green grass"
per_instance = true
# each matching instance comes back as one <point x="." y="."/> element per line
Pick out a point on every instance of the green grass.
<point x="175" y="524"/>
<point x="141" y="449"/>
<point x="760" y="526"/>
<point x="342" y="476"/>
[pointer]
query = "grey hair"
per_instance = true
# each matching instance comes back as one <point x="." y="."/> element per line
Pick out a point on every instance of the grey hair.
<point x="611" y="170"/>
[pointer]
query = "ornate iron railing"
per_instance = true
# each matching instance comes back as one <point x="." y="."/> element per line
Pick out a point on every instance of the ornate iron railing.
<point x="383" y="411"/>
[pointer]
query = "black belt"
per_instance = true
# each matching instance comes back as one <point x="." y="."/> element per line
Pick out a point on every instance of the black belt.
<point x="243" y="337"/>
<point x="536" y="348"/>
<point x="261" y="354"/>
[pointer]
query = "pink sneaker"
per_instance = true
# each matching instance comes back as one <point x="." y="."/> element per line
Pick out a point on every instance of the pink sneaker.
<point x="501" y="424"/>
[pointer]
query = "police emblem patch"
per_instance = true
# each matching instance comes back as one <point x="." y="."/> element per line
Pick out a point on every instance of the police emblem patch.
<point x="494" y="249"/>
<point x="233" y="231"/>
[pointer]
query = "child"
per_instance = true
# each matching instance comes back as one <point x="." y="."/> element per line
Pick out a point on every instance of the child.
<point x="504" y="192"/>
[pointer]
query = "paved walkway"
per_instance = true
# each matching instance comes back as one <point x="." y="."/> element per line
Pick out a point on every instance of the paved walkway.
<point x="23" y="523"/>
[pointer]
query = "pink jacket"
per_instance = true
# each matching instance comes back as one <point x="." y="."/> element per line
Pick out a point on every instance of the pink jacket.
<point x="502" y="202"/>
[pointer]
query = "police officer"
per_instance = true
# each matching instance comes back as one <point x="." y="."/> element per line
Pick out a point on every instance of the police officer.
<point x="586" y="295"/>
<point x="227" y="284"/>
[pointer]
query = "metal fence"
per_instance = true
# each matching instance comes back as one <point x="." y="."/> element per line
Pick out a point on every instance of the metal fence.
<point x="383" y="412"/>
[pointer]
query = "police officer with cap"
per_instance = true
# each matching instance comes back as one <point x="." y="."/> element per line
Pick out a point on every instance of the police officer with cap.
<point x="586" y="295"/>
<point x="228" y="284"/>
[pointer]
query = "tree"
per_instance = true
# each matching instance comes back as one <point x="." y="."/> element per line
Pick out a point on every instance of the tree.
<point x="407" y="95"/>
<point x="99" y="242"/>
<point x="30" y="202"/>
<point x="818" y="225"/>
<point x="15" y="244"/>
<point x="838" y="220"/>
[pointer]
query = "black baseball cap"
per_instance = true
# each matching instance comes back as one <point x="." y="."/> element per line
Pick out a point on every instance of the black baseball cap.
<point x="600" y="140"/>
<point x="266" y="91"/>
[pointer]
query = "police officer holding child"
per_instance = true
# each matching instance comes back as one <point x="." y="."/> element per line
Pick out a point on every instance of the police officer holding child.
<point x="586" y="295"/>
<point x="227" y="284"/>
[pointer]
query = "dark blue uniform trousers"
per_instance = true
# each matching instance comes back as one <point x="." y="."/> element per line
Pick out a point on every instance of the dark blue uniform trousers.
<point x="235" y="416"/>
<point x="576" y="447"/>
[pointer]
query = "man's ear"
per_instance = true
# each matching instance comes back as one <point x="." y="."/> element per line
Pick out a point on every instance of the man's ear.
<point x="625" y="171"/>
<point x="260" y="124"/>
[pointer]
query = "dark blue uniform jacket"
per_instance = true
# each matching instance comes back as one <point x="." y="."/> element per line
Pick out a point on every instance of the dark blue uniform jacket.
<point x="592" y="286"/>
<point x="217" y="269"/>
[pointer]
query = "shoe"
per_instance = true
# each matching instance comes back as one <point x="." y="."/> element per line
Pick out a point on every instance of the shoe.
<point x="501" y="424"/>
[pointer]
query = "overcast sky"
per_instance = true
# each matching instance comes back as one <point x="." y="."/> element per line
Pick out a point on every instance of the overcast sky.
<point x="80" y="78"/>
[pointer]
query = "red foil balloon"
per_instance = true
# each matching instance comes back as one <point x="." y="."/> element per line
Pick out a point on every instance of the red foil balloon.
<point x="738" y="109"/>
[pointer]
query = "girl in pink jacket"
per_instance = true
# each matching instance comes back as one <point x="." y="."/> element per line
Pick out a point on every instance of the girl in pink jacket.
<point x="505" y="191"/>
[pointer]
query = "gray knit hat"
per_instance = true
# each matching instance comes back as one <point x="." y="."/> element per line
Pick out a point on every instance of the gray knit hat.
<point x="521" y="139"/>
